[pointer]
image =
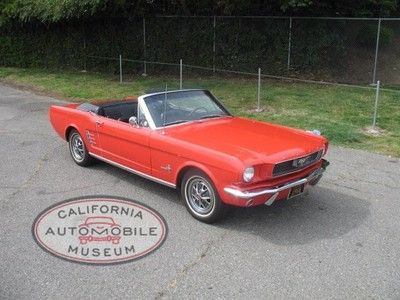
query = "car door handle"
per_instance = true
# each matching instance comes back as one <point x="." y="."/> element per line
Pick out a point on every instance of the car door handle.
<point x="99" y="123"/>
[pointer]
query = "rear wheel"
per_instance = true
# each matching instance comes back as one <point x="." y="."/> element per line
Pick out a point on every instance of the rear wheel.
<point x="78" y="150"/>
<point x="200" y="197"/>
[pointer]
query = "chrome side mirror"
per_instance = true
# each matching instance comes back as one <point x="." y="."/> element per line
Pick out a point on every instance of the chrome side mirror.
<point x="133" y="121"/>
<point x="314" y="131"/>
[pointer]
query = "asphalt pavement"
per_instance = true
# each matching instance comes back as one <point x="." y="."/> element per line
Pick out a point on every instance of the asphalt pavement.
<point x="342" y="240"/>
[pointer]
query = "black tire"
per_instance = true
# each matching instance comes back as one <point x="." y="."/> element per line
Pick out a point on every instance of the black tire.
<point x="78" y="150"/>
<point x="195" y="188"/>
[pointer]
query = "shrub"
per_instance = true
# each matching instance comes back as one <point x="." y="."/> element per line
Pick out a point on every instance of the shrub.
<point x="367" y="35"/>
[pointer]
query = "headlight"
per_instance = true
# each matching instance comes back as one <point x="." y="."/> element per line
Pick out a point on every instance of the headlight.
<point x="248" y="174"/>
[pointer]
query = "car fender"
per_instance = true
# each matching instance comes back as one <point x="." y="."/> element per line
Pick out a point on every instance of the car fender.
<point x="218" y="176"/>
<point x="63" y="118"/>
<point x="68" y="129"/>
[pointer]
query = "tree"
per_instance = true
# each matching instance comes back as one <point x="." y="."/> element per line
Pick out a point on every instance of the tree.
<point x="48" y="11"/>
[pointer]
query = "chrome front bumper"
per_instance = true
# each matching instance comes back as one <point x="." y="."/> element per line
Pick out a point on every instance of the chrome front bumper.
<point x="312" y="179"/>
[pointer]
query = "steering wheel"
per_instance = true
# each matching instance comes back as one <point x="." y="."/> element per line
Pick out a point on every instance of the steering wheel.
<point x="197" y="109"/>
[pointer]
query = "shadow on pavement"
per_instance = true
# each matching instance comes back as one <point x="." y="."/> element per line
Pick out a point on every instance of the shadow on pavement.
<point x="322" y="214"/>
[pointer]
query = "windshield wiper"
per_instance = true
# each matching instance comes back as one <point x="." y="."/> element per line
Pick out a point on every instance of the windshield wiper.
<point x="176" y="122"/>
<point x="212" y="116"/>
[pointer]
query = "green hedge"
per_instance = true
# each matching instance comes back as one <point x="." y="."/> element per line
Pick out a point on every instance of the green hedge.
<point x="241" y="43"/>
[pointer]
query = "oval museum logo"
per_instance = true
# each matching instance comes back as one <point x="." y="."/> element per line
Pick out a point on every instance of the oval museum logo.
<point x="100" y="230"/>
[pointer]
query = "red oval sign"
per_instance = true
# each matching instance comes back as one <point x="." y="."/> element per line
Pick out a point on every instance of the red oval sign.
<point x="99" y="230"/>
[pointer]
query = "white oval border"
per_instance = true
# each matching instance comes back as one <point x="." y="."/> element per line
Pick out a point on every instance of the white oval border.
<point x="141" y="205"/>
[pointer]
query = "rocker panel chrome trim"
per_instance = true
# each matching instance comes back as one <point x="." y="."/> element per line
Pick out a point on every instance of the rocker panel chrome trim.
<point x="169" y="184"/>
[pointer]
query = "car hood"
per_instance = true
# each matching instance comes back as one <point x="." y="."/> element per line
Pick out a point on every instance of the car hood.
<point x="249" y="140"/>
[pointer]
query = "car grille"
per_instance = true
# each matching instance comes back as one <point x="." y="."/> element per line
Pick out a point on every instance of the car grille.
<point x="294" y="165"/>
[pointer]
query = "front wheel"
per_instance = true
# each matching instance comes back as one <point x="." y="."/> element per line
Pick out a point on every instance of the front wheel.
<point x="200" y="197"/>
<point x="78" y="150"/>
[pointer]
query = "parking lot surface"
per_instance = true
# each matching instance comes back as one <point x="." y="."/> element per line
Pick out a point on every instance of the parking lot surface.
<point x="342" y="240"/>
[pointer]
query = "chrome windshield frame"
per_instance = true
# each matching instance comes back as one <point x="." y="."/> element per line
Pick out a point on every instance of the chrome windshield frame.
<point x="142" y="104"/>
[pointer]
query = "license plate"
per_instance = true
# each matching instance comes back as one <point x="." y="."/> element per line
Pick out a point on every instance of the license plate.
<point x="295" y="191"/>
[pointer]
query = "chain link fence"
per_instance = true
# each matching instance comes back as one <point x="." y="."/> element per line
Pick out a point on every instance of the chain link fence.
<point x="337" y="50"/>
<point x="348" y="52"/>
<point x="356" y="51"/>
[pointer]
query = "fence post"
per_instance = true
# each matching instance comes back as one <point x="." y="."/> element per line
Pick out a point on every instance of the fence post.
<point x="180" y="73"/>
<point x="259" y="90"/>
<point x="144" y="47"/>
<point x="214" y="46"/>
<point x="289" y="43"/>
<point x="378" y="33"/>
<point x="120" y="68"/>
<point x="84" y="47"/>
<point x="378" y="84"/>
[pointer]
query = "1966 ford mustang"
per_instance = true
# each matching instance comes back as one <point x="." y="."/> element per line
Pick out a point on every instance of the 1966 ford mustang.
<point x="187" y="140"/>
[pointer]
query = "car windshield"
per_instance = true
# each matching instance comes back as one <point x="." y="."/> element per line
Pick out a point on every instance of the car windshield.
<point x="183" y="106"/>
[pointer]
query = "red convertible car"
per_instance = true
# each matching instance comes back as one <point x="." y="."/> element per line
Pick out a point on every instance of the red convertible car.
<point x="187" y="140"/>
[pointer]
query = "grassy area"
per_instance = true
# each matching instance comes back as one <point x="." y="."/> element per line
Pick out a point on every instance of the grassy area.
<point x="341" y="113"/>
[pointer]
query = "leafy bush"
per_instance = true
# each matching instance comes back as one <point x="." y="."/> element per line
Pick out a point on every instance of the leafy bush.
<point x="367" y="35"/>
<point x="241" y="43"/>
<point x="318" y="44"/>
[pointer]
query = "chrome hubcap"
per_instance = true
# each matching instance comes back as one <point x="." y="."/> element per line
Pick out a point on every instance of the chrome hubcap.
<point x="200" y="195"/>
<point x="77" y="147"/>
